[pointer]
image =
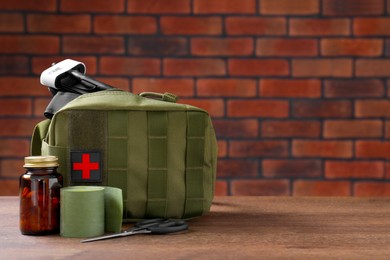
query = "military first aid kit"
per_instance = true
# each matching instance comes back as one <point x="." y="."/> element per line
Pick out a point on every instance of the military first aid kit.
<point x="161" y="154"/>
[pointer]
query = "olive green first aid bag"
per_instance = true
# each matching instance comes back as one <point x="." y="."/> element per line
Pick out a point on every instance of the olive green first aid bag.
<point x="161" y="154"/>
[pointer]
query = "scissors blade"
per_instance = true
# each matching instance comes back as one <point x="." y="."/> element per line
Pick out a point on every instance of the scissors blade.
<point x="122" y="234"/>
<point x="104" y="237"/>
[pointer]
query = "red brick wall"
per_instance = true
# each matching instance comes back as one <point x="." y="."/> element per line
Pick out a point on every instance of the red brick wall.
<point x="298" y="89"/>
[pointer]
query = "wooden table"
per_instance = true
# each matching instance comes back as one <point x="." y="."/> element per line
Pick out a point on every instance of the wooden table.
<point x="236" y="228"/>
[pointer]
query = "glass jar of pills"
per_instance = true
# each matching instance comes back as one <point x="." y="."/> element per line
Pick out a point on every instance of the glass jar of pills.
<point x="39" y="193"/>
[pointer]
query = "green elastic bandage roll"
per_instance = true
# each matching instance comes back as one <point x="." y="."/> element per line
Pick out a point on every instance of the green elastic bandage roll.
<point x="113" y="208"/>
<point x="88" y="211"/>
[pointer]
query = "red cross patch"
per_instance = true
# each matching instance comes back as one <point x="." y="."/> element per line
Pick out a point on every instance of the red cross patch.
<point x="85" y="167"/>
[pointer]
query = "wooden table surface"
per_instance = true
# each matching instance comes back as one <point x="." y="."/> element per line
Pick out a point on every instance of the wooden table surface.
<point x="236" y="228"/>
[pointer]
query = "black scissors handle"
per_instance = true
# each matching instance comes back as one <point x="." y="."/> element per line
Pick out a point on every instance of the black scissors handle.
<point x="169" y="226"/>
<point x="161" y="226"/>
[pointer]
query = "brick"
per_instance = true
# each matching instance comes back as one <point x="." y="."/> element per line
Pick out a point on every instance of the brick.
<point x="387" y="170"/>
<point x="387" y="132"/>
<point x="372" y="149"/>
<point x="11" y="23"/>
<point x="236" y="128"/>
<point x="287" y="88"/>
<point x="15" y="107"/>
<point x="194" y="67"/>
<point x="290" y="128"/>
<point x="129" y="66"/>
<point x="226" y="87"/>
<point x="326" y="149"/>
<point x="255" y="26"/>
<point x="371" y="26"/>
<point x="40" y="105"/>
<point x="224" y="7"/>
<point x="21" y="86"/>
<point x="258" y="108"/>
<point x="39" y="64"/>
<point x="322" y="68"/>
<point x="158" y="46"/>
<point x="286" y="7"/>
<point x="258" y="67"/>
<point x="351" y="47"/>
<point x="353" y="88"/>
<point x="215" y="107"/>
<point x="110" y="24"/>
<point x="180" y="87"/>
<point x="222" y="148"/>
<point x="11" y="168"/>
<point x="121" y="83"/>
<point x="260" y="187"/>
<point x="92" y="45"/>
<point x="237" y="168"/>
<point x="372" y="67"/>
<point x="9" y="187"/>
<point x="22" y="5"/>
<point x="17" y="126"/>
<point x="27" y="44"/>
<point x="93" y="6"/>
<point x="354" y="169"/>
<point x="372" y="108"/>
<point x="387" y="48"/>
<point x="388" y="88"/>
<point x="50" y="23"/>
<point x="159" y="7"/>
<point x="245" y="149"/>
<point x="352" y="7"/>
<point x="191" y="25"/>
<point x="221" y="46"/>
<point x="319" y="27"/>
<point x="286" y="47"/>
<point x="14" y="147"/>
<point x="372" y="189"/>
<point x="352" y="128"/>
<point x="14" y="65"/>
<point x="292" y="168"/>
<point x="321" y="188"/>
<point x="221" y="188"/>
<point x="388" y="7"/>
<point x="321" y="109"/>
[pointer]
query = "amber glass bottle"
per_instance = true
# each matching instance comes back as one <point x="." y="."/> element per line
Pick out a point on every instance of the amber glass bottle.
<point x="39" y="194"/>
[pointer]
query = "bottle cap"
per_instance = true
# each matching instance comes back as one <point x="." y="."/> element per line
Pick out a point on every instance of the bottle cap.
<point x="40" y="161"/>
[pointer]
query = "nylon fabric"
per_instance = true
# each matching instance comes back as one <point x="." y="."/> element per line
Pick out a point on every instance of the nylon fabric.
<point x="87" y="132"/>
<point x="137" y="168"/>
<point x="117" y="159"/>
<point x="63" y="158"/>
<point x="39" y="133"/>
<point x="210" y="165"/>
<point x="157" y="164"/>
<point x="162" y="155"/>
<point x="176" y="164"/>
<point x="196" y="128"/>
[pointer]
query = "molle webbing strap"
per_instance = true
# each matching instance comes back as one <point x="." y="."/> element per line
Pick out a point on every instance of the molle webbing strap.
<point x="194" y="164"/>
<point x="117" y="150"/>
<point x="157" y="164"/>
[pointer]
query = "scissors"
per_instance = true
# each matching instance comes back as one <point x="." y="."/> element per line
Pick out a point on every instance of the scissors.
<point x="149" y="226"/>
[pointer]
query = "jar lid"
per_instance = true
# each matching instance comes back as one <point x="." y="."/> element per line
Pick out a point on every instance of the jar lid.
<point x="40" y="161"/>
